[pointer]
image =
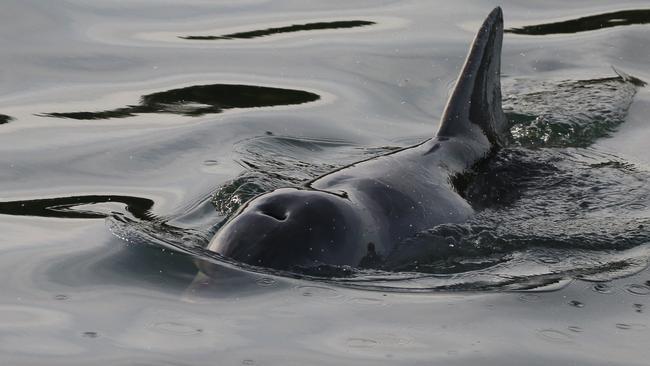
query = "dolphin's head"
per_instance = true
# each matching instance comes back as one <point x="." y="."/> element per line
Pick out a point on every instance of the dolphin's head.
<point x="291" y="227"/>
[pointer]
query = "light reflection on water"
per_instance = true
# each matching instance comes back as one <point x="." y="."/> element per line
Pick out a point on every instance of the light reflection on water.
<point x="74" y="294"/>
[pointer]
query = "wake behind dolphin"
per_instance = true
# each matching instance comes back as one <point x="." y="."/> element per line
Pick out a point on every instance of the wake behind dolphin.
<point x="356" y="216"/>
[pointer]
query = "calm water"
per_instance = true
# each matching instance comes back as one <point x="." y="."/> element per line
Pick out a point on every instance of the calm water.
<point x="130" y="130"/>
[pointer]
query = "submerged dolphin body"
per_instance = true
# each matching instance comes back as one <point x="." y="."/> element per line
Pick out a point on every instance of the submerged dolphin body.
<point x="358" y="214"/>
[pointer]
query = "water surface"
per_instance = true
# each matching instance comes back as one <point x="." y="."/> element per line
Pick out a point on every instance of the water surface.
<point x="120" y="134"/>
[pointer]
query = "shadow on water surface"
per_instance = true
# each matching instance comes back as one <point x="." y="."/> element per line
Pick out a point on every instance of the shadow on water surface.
<point x="585" y="24"/>
<point x="198" y="100"/>
<point x="286" y="29"/>
<point x="70" y="207"/>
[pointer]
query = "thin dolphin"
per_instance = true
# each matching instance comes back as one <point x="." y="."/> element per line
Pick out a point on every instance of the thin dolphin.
<point x="358" y="214"/>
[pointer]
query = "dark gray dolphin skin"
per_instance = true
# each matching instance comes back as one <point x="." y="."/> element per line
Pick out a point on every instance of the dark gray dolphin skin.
<point x="359" y="213"/>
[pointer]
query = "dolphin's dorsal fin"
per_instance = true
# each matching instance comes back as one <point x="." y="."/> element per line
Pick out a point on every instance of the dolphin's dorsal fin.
<point x="474" y="108"/>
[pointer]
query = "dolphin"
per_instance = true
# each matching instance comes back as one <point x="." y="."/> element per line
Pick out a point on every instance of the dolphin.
<point x="357" y="215"/>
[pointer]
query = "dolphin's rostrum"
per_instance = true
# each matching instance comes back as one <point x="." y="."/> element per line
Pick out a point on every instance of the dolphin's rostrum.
<point x="358" y="214"/>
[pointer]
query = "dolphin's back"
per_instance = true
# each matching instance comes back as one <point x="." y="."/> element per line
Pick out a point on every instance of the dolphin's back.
<point x="364" y="210"/>
<point x="474" y="108"/>
<point x="411" y="190"/>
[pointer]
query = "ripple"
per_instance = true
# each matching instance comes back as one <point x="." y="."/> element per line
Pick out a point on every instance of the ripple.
<point x="576" y="304"/>
<point x="211" y="162"/>
<point x="570" y="113"/>
<point x="602" y="288"/>
<point x="637" y="289"/>
<point x="549" y="260"/>
<point x="266" y="281"/>
<point x="631" y="326"/>
<point x="361" y="343"/>
<point x="395" y="340"/>
<point x="176" y="328"/>
<point x="90" y="334"/>
<point x="555" y="335"/>
<point x="529" y="298"/>
<point x="318" y="292"/>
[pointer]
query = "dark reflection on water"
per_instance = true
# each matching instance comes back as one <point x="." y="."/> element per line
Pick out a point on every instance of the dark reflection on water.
<point x="582" y="110"/>
<point x="68" y="207"/>
<point x="287" y="29"/>
<point x="5" y="119"/>
<point x="588" y="23"/>
<point x="198" y="100"/>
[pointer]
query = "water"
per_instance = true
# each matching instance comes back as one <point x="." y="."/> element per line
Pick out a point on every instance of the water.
<point x="118" y="121"/>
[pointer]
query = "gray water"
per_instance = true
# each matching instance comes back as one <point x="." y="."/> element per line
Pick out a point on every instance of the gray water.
<point x="129" y="131"/>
